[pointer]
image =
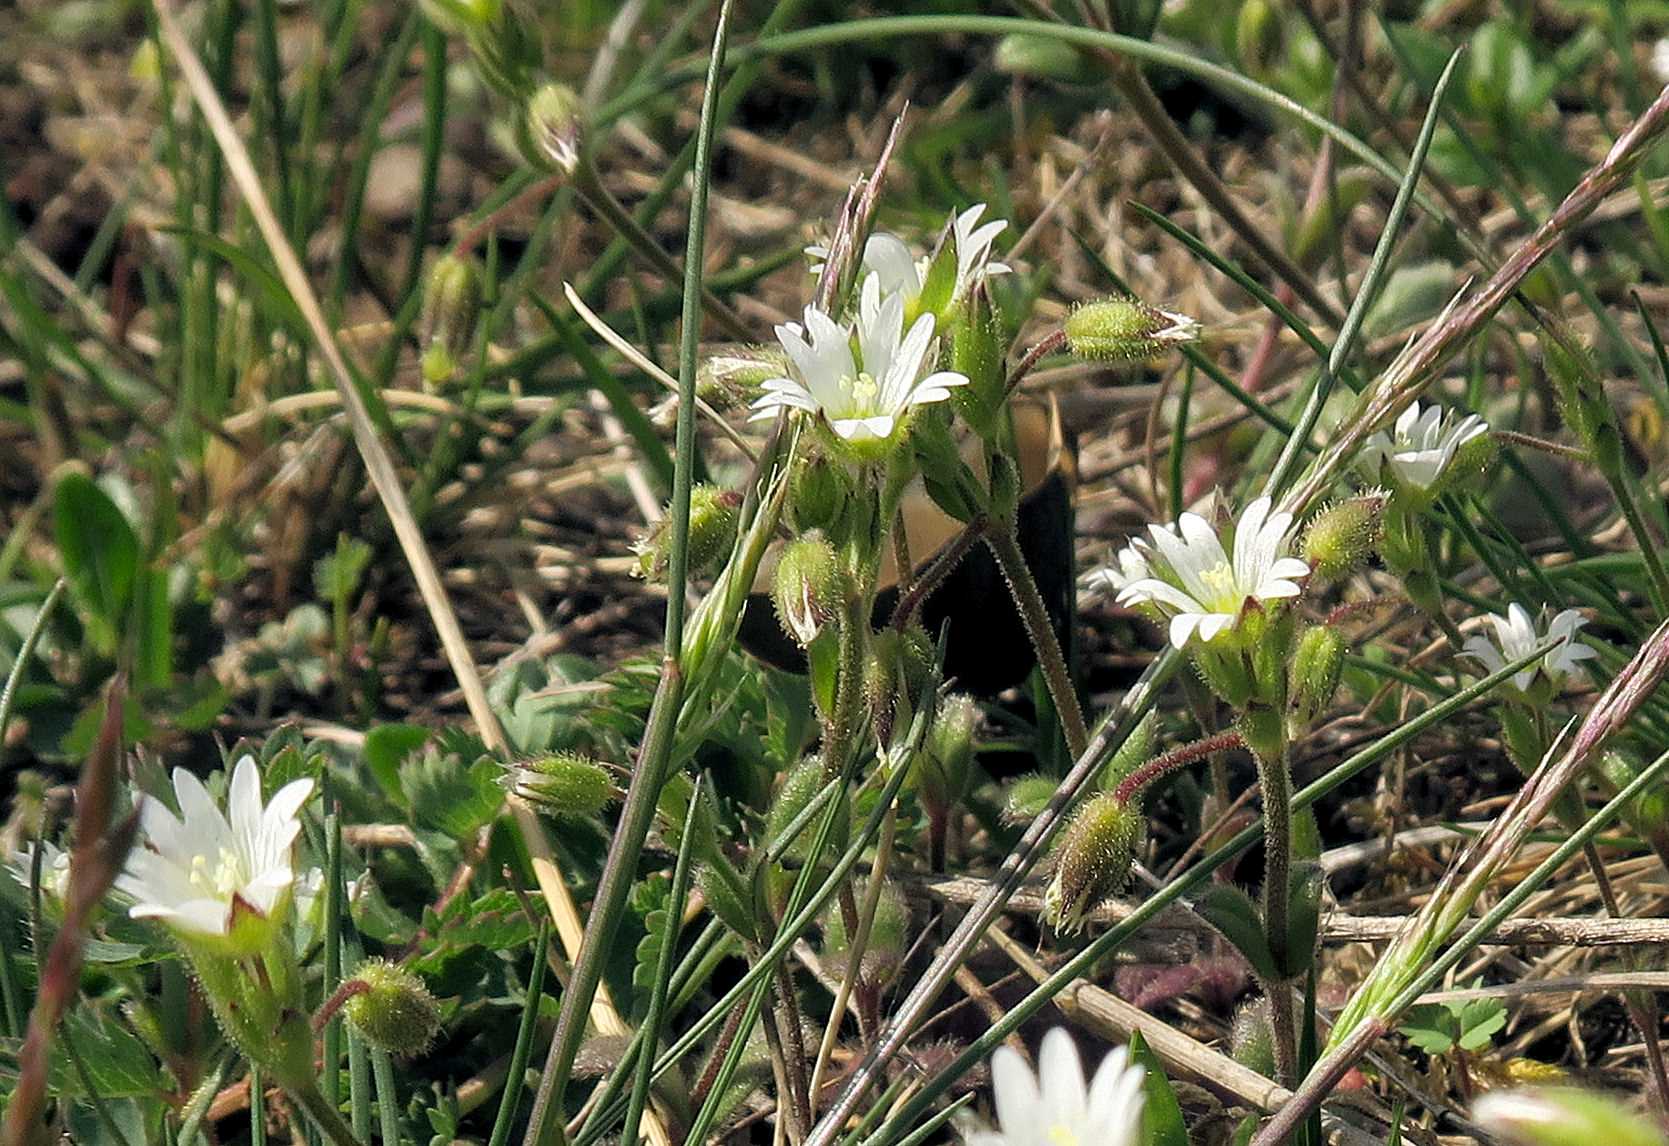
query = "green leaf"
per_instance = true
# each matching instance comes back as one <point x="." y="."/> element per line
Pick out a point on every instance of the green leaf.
<point x="336" y="575"/>
<point x="386" y="748"/>
<point x="1431" y="1028"/>
<point x="1162" y="1122"/>
<point x="1232" y="912"/>
<point x="1303" y="915"/>
<point x="1480" y="1020"/>
<point x="100" y="554"/>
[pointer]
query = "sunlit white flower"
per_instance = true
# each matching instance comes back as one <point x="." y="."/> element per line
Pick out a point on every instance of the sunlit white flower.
<point x="1199" y="586"/>
<point x="1549" y="1115"/>
<point x="1420" y="446"/>
<point x="863" y="398"/>
<point x="1660" y="61"/>
<point x="55" y="869"/>
<point x="1055" y="1107"/>
<point x="899" y="271"/>
<point x="214" y="878"/>
<point x="1516" y="637"/>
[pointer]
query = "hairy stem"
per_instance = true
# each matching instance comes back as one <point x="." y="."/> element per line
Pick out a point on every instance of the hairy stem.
<point x="1000" y="539"/>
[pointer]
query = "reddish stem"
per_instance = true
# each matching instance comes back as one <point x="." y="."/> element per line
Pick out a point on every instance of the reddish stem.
<point x="1160" y="766"/>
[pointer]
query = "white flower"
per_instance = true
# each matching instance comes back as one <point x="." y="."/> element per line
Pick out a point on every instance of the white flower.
<point x="1516" y="637"/>
<point x="1660" y="61"/>
<point x="1055" y="1108"/>
<point x="1420" y="446"/>
<point x="206" y="874"/>
<point x="863" y="398"/>
<point x="899" y="271"/>
<point x="1196" y="584"/>
<point x="55" y="869"/>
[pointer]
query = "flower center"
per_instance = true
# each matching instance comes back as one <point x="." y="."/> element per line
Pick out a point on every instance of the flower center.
<point x="1061" y="1135"/>
<point x="217" y="879"/>
<point x="1223" y="593"/>
<point x="863" y="394"/>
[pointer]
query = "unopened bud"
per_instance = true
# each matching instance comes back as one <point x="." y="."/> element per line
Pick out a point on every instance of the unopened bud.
<point x="1317" y="664"/>
<point x="553" y="129"/>
<point x="395" y="1011"/>
<point x="817" y="493"/>
<point x="889" y="935"/>
<point x="451" y="303"/>
<point x="1554" y="1116"/>
<point x="1341" y="537"/>
<point x="714" y="515"/>
<point x="976" y="352"/>
<point x="731" y="377"/>
<point x="561" y="784"/>
<point x="809" y="587"/>
<point x="1126" y="330"/>
<point x="1251" y="1040"/>
<point x="1040" y="57"/>
<point x="1027" y="797"/>
<point x="943" y="768"/>
<point x="1092" y="861"/>
<point x="799" y="787"/>
<point x="1576" y="384"/>
<point x="1132" y="754"/>
<point x="727" y="897"/>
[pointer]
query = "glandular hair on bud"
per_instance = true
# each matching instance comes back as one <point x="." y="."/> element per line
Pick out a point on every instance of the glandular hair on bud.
<point x="394" y="1011"/>
<point x="1092" y="861"/>
<point x="561" y="784"/>
<point x="1341" y="537"/>
<point x="1317" y="664"/>
<point x="714" y="515"/>
<point x="1026" y="797"/>
<point x="809" y="587"/>
<point x="817" y="492"/>
<point x="732" y="375"/>
<point x="1126" y="330"/>
<point x="553" y="129"/>
<point x="451" y="304"/>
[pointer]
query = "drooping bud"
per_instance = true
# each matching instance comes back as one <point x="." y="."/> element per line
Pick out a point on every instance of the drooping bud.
<point x="889" y="935"/>
<point x="451" y="303"/>
<point x="1317" y="664"/>
<point x="1341" y="537"/>
<point x="395" y="1011"/>
<point x="1027" y="796"/>
<point x="809" y="587"/>
<point x="714" y="515"/>
<point x="553" y="129"/>
<point x="1092" y="861"/>
<point x="1126" y="330"/>
<point x="976" y="352"/>
<point x="1554" y="1116"/>
<point x="943" y="768"/>
<point x="561" y="784"/>
<point x="1251" y="1040"/>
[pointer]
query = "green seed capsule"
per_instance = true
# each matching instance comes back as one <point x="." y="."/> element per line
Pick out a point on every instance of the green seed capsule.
<point x="1126" y="330"/>
<point x="395" y="1012"/>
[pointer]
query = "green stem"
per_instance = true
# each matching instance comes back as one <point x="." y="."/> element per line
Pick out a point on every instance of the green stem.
<point x="1050" y="659"/>
<point x="325" y="1116"/>
<point x="1276" y="784"/>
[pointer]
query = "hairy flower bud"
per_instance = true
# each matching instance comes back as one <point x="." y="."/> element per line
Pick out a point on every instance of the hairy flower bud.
<point x="561" y="784"/>
<point x="799" y="787"/>
<point x="1340" y="538"/>
<point x="1126" y="330"/>
<point x="1553" y="1116"/>
<point x="809" y="587"/>
<point x="1251" y="1040"/>
<point x="943" y="768"/>
<point x="727" y="896"/>
<point x="1040" y="57"/>
<point x="889" y="935"/>
<point x="976" y="352"/>
<point x="451" y="303"/>
<point x="1317" y="663"/>
<point x="553" y="129"/>
<point x="395" y="1011"/>
<point x="731" y="377"/>
<point x="1027" y="796"/>
<point x="817" y="493"/>
<point x="1092" y="861"/>
<point x="714" y="515"/>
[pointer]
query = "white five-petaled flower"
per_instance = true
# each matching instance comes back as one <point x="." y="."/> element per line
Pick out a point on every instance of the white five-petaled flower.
<point x="1417" y="450"/>
<point x="1516" y="637"/>
<point x="864" y="398"/>
<point x="207" y="874"/>
<point x="889" y="258"/>
<point x="1198" y="585"/>
<point x="1055" y="1107"/>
